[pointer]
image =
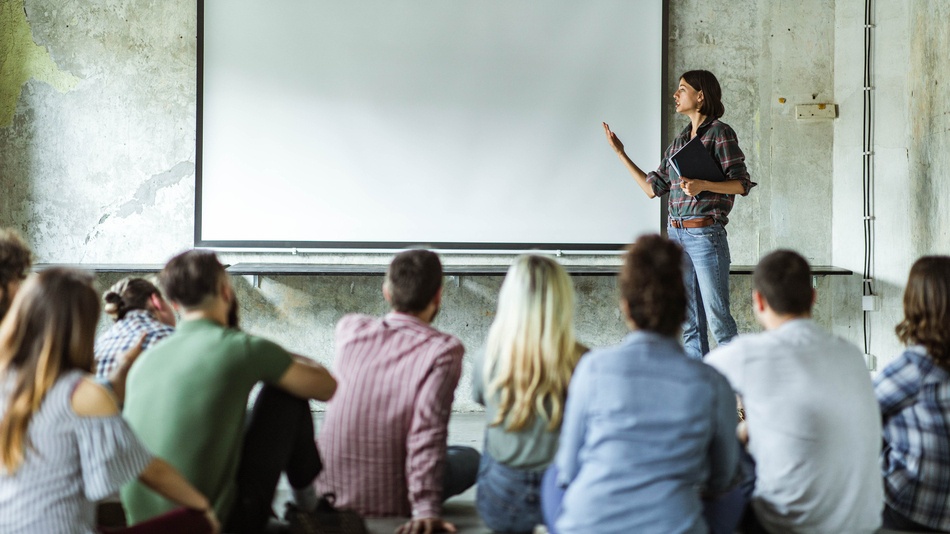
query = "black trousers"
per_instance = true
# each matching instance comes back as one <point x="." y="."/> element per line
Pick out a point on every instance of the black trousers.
<point x="278" y="439"/>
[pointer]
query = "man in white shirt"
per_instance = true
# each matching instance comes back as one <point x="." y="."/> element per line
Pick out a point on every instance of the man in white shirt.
<point x="812" y="424"/>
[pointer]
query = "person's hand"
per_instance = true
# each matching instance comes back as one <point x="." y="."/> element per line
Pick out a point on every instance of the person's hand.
<point x="692" y="187"/>
<point x="121" y="373"/>
<point x="425" y="525"/>
<point x="613" y="140"/>
<point x="213" y="520"/>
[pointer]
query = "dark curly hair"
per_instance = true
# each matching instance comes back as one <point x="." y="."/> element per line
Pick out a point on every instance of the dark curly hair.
<point x="927" y="308"/>
<point x="15" y="261"/>
<point x="651" y="283"/>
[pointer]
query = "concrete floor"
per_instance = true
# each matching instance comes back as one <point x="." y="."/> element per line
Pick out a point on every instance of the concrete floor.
<point x="464" y="429"/>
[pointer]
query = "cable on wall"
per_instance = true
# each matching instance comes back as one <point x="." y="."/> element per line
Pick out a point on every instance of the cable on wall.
<point x="868" y="168"/>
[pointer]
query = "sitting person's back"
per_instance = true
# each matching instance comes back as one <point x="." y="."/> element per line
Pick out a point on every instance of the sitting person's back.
<point x="647" y="431"/>
<point x="914" y="396"/>
<point x="187" y="400"/>
<point x="63" y="442"/>
<point x="529" y="358"/>
<point x="138" y="308"/>
<point x="383" y="441"/>
<point x="813" y="426"/>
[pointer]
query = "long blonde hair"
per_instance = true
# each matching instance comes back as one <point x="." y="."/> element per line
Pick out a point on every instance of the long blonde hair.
<point x="531" y="350"/>
<point x="49" y="330"/>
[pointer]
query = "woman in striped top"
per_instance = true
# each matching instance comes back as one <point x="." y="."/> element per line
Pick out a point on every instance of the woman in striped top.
<point x="63" y="442"/>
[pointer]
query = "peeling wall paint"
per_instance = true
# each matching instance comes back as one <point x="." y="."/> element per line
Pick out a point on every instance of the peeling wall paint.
<point x="104" y="173"/>
<point x="21" y="60"/>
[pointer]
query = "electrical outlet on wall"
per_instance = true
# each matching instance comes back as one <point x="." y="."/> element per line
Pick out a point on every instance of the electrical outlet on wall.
<point x="870" y="303"/>
<point x="871" y="362"/>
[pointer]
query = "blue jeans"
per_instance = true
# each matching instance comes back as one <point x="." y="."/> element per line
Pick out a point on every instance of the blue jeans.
<point x="706" y="276"/>
<point x="508" y="499"/>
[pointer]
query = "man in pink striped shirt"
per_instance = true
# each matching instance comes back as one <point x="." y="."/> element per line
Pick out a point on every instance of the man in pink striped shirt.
<point x="383" y="441"/>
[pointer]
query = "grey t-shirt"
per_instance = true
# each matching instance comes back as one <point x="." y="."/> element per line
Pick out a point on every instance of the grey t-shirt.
<point x="531" y="448"/>
<point x="814" y="428"/>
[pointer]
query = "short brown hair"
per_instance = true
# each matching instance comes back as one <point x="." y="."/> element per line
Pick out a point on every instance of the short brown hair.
<point x="15" y="260"/>
<point x="651" y="283"/>
<point x="413" y="278"/>
<point x="927" y="308"/>
<point x="783" y="278"/>
<point x="705" y="81"/>
<point x="191" y="277"/>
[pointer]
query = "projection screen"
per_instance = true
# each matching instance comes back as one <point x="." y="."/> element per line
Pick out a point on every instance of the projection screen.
<point x="454" y="124"/>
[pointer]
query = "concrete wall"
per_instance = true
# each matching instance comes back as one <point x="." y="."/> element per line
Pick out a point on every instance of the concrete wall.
<point x="97" y="155"/>
<point x="911" y="138"/>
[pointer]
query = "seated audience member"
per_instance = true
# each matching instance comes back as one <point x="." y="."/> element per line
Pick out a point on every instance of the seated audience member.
<point x="530" y="356"/>
<point x="187" y="396"/>
<point x="383" y="440"/>
<point x="138" y="309"/>
<point x="914" y="396"/>
<point x="811" y="422"/>
<point x="646" y="429"/>
<point x="63" y="442"/>
<point x="15" y="262"/>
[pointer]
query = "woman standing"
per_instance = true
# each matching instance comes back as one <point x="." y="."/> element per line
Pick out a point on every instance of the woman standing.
<point x="914" y="394"/>
<point x="530" y="356"/>
<point x="63" y="442"/>
<point x="699" y="209"/>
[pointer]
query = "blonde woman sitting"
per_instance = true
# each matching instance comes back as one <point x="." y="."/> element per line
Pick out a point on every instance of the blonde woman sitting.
<point x="529" y="358"/>
<point x="63" y="442"/>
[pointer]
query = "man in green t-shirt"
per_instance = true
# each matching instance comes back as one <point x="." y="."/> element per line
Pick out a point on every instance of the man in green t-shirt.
<point x="186" y="399"/>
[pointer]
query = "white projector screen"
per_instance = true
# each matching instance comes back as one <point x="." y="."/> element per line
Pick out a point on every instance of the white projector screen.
<point x="455" y="124"/>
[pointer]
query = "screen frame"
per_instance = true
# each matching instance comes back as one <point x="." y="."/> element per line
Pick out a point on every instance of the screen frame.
<point x="386" y="246"/>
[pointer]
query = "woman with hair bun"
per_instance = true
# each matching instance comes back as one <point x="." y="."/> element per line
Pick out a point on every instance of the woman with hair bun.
<point x="138" y="308"/>
<point x="699" y="209"/>
<point x="530" y="356"/>
<point x="913" y="392"/>
<point x="63" y="442"/>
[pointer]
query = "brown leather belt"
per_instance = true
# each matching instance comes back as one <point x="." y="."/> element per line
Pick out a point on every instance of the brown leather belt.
<point x="692" y="223"/>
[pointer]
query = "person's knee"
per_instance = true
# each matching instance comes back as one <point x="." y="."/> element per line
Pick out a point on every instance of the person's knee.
<point x="464" y="461"/>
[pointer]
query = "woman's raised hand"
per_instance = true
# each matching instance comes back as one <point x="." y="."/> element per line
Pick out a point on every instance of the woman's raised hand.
<point x="613" y="140"/>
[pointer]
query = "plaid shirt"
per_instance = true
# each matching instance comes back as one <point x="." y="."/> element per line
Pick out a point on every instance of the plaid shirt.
<point x="120" y="337"/>
<point x="721" y="142"/>
<point x="914" y="395"/>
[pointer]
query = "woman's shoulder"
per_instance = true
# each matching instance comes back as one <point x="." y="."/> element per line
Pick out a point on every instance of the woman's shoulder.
<point x="718" y="128"/>
<point x="91" y="399"/>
